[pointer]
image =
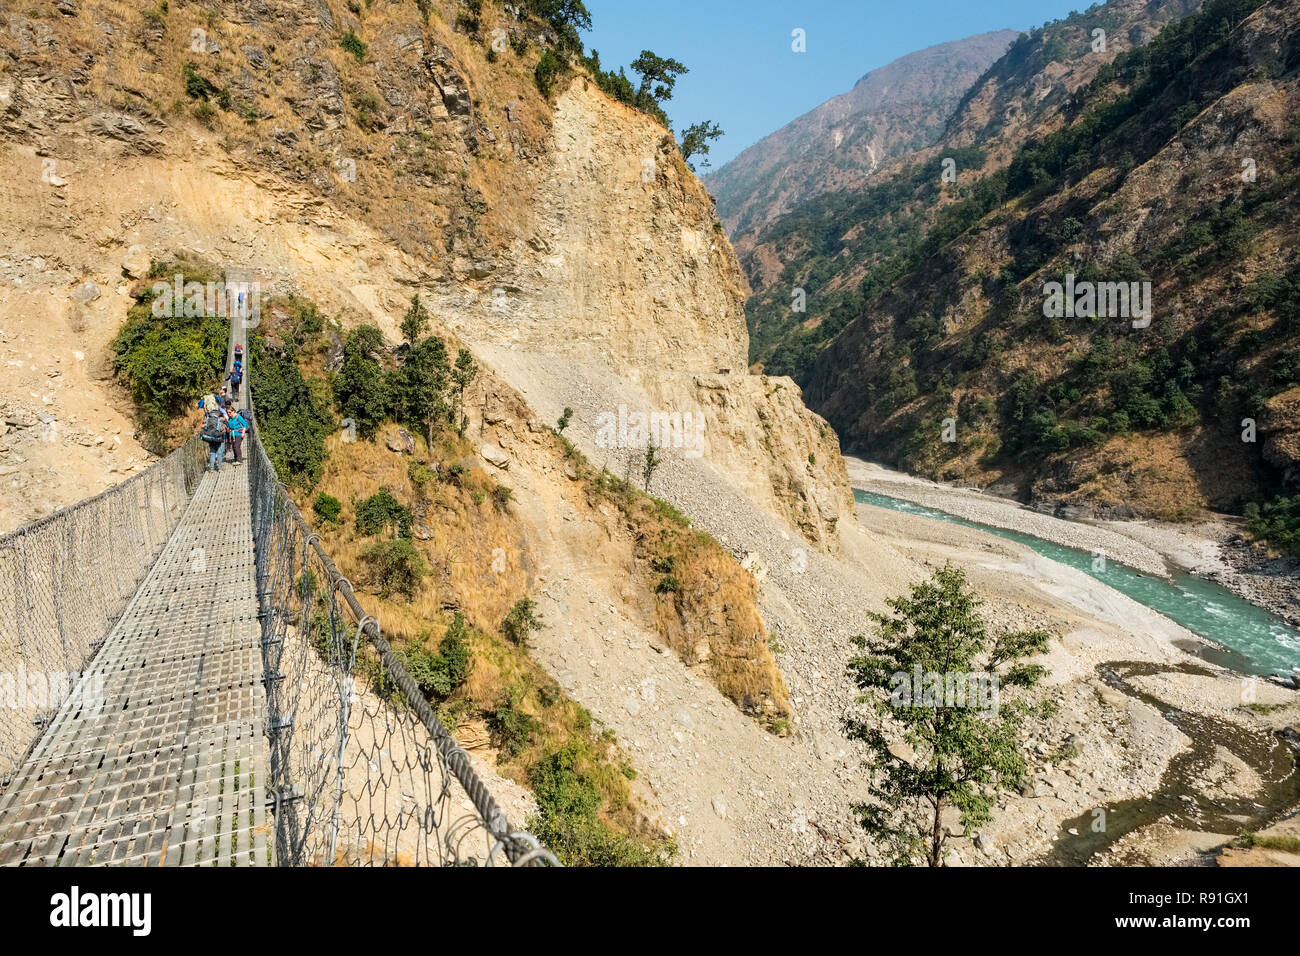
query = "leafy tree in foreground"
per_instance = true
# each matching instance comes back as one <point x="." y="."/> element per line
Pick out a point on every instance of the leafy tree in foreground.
<point x="963" y="737"/>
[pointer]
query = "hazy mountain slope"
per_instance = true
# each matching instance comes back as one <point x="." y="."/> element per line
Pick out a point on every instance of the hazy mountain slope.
<point x="1178" y="165"/>
<point x="829" y="246"/>
<point x="891" y="111"/>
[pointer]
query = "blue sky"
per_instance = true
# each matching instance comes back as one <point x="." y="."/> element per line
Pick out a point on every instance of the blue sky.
<point x="744" y="75"/>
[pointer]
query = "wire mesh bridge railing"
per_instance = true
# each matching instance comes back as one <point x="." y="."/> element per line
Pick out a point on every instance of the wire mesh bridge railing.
<point x="359" y="769"/>
<point x="64" y="581"/>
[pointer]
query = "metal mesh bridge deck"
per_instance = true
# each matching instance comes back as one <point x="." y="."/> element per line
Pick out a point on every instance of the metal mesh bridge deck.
<point x="159" y="755"/>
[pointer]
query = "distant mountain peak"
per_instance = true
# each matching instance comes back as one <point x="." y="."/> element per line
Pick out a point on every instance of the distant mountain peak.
<point x="889" y="112"/>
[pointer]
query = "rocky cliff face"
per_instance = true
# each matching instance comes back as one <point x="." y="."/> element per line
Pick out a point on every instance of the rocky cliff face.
<point x="567" y="233"/>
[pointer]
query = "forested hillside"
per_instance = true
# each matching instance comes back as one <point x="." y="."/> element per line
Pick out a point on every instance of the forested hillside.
<point x="831" y="246"/>
<point x="1176" y="165"/>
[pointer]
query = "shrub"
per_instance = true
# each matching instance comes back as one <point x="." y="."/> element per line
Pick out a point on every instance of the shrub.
<point x="440" y="673"/>
<point x="305" y="319"/>
<point x="168" y="361"/>
<point x="206" y="113"/>
<point x="512" y="727"/>
<point x="353" y="44"/>
<point x="668" y="584"/>
<point x="548" y="70"/>
<point x="197" y="87"/>
<point x="327" y="507"/>
<point x="568" y="822"/>
<point x="521" y="621"/>
<point x="501" y="497"/>
<point x="380" y="511"/>
<point x="397" y="567"/>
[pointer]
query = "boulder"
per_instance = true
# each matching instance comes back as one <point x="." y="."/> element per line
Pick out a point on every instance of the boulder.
<point x="136" y="262"/>
<point x="495" y="456"/>
<point x="755" y="565"/>
<point x="19" y="418"/>
<point x="125" y="129"/>
<point x="402" y="442"/>
<point x="255" y="56"/>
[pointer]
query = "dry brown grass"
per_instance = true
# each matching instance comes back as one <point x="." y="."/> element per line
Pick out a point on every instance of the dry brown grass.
<point x="713" y="617"/>
<point x="458" y="536"/>
<point x="462" y="539"/>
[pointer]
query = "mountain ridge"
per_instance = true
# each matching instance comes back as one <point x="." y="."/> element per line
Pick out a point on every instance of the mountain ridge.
<point x="889" y="111"/>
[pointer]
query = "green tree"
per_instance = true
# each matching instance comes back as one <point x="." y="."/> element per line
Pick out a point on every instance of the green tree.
<point x="695" y="141"/>
<point x="963" y="751"/>
<point x="462" y="376"/>
<point x="658" y="77"/>
<point x="293" y="412"/>
<point x="566" y="18"/>
<point x="650" y="463"/>
<point x="564" y="420"/>
<point x="359" y="385"/>
<point x="418" y="388"/>
<point x="415" y="322"/>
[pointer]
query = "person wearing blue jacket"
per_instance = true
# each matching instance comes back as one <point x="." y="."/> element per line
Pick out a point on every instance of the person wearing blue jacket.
<point x="238" y="427"/>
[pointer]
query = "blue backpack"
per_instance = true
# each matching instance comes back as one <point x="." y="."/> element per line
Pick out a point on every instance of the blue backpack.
<point x="214" y="427"/>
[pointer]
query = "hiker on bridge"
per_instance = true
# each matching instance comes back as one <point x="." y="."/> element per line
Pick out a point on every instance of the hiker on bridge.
<point x="234" y="377"/>
<point x="215" y="432"/>
<point x="238" y="427"/>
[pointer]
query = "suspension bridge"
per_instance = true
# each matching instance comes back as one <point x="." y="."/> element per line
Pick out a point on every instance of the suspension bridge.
<point x="187" y="679"/>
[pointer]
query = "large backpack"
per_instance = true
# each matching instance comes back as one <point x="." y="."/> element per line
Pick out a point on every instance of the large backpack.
<point x="214" y="427"/>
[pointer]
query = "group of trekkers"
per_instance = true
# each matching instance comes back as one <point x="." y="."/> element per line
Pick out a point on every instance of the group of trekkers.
<point x="224" y="423"/>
